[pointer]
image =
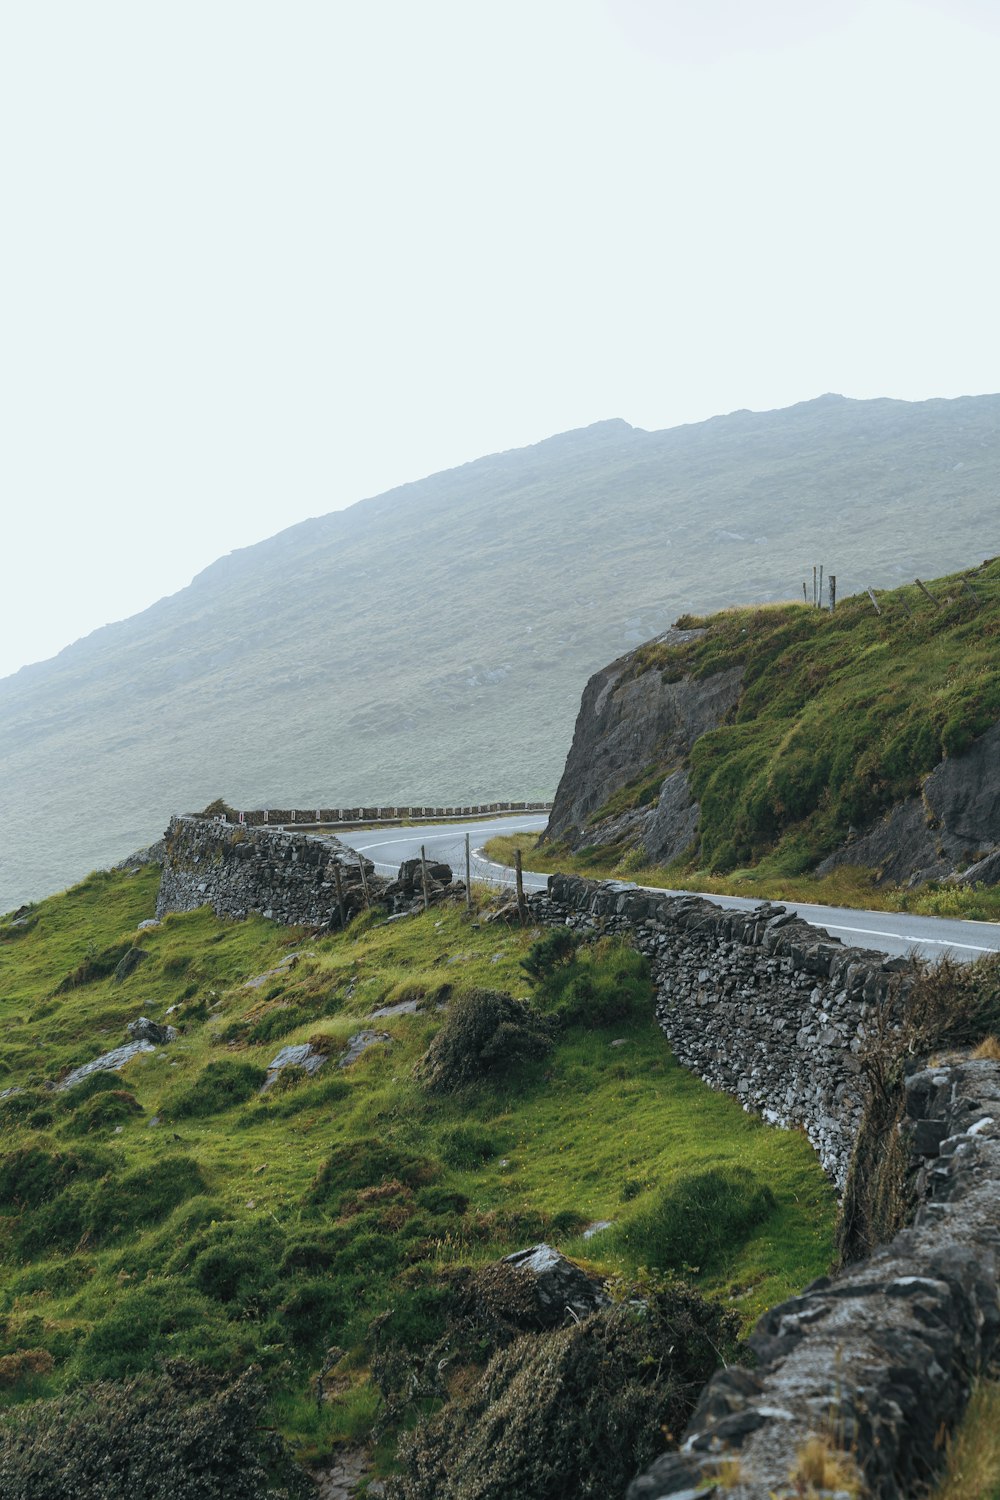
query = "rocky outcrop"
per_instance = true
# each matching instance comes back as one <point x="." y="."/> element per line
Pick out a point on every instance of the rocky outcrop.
<point x="951" y="831"/>
<point x="560" y="1288"/>
<point x="878" y="1362"/>
<point x="630" y="723"/>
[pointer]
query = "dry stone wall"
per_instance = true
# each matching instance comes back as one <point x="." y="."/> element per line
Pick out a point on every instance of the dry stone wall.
<point x="880" y="1360"/>
<point x="877" y="1362"/>
<point x="759" y="1003"/>
<point x="237" y="870"/>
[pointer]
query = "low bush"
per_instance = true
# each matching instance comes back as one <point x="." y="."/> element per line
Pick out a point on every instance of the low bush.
<point x="467" y="1146"/>
<point x="104" y="1080"/>
<point x="606" y="983"/>
<point x="696" y="1220"/>
<point x="184" y="1435"/>
<point x="368" y="1163"/>
<point x="564" y="1415"/>
<point x="31" y="1176"/>
<point x="102" y="1111"/>
<point x="485" y="1035"/>
<point x="218" y="1086"/>
<point x="94" y="966"/>
<point x="143" y="1322"/>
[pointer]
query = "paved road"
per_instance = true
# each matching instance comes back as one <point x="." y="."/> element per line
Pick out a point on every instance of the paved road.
<point x="894" y="933"/>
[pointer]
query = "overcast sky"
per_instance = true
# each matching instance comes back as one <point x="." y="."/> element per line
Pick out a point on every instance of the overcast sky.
<point x="260" y="261"/>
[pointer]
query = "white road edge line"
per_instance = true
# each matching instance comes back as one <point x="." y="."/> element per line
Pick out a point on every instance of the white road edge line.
<point x="900" y="937"/>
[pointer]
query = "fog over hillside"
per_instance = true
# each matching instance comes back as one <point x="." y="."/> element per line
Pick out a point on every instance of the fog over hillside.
<point x="431" y="644"/>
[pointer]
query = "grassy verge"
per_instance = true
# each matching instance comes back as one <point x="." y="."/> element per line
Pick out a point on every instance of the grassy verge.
<point x="172" y="1209"/>
<point x="848" y="886"/>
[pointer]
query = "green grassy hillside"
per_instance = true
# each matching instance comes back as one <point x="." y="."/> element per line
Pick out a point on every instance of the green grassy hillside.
<point x="841" y="716"/>
<point x="430" y="645"/>
<point x="174" y="1211"/>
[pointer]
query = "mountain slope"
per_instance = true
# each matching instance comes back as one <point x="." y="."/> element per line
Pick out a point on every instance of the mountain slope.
<point x="432" y="643"/>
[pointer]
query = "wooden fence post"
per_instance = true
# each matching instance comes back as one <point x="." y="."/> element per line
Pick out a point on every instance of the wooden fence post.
<point x="423" y="877"/>
<point x="519" y="883"/>
<point x="874" y="600"/>
<point x="833" y="592"/>
<point x="468" y="874"/>
<point x="936" y="603"/>
<point x="340" y="893"/>
<point x="364" y="882"/>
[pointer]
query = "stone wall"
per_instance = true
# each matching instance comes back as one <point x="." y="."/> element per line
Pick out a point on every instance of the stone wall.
<point x="876" y="1363"/>
<point x="237" y="870"/>
<point x="879" y="1361"/>
<point x="759" y="1004"/>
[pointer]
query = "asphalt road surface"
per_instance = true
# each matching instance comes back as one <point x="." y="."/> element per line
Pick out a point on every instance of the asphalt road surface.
<point x="894" y="933"/>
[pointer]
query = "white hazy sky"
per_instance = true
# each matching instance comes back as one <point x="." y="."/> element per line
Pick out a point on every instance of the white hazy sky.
<point x="259" y="260"/>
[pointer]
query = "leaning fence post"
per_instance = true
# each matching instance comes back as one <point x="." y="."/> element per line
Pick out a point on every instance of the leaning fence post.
<point x="423" y="876"/>
<point x="924" y="590"/>
<point x="340" y="893"/>
<point x="833" y="592"/>
<point x="364" y="882"/>
<point x="874" y="600"/>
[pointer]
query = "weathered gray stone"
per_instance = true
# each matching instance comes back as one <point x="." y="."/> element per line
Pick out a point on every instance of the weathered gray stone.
<point x="145" y="1030"/>
<point x="561" y="1288"/>
<point x="638" y="721"/>
<point x="108" y="1062"/>
<point x="303" y="1055"/>
<point x="359" y="1043"/>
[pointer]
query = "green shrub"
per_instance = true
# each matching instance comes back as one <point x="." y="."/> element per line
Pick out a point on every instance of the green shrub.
<point x="606" y="983"/>
<point x="130" y="1200"/>
<point x="184" y="1435"/>
<point x="94" y="966"/>
<point x="31" y="1176"/>
<point x="102" y="1111"/>
<point x="695" y="1221"/>
<point x="22" y="1106"/>
<point x="367" y="1163"/>
<point x="566" y="1415"/>
<point x="146" y="1321"/>
<point x="441" y="1201"/>
<point x="277" y="1023"/>
<point x="103" y="1081"/>
<point x="314" y="1313"/>
<point x="550" y="952"/>
<point x="218" y="1086"/>
<point x="485" y="1035"/>
<point x="467" y="1146"/>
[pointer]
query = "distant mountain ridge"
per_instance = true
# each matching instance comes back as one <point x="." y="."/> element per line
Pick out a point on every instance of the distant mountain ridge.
<point x="430" y="644"/>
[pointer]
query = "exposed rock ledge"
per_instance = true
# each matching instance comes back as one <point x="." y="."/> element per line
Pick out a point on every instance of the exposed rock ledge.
<point x="952" y="830"/>
<point x="627" y="723"/>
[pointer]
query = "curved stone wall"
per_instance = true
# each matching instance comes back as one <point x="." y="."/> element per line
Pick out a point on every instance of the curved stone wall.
<point x="875" y="1364"/>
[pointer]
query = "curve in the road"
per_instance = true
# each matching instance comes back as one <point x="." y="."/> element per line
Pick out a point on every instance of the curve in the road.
<point x="895" y="933"/>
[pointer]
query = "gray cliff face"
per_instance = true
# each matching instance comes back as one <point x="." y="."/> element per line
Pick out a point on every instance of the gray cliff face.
<point x="628" y="723"/>
<point x="951" y="830"/>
